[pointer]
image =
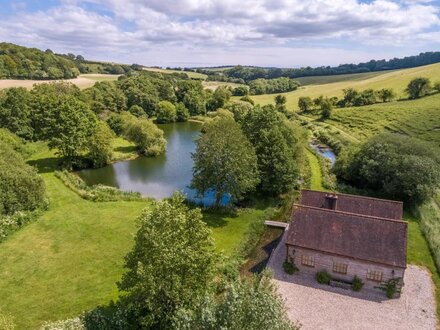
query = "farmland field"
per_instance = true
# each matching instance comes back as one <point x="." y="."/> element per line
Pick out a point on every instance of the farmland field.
<point x="397" y="79"/>
<point x="82" y="81"/>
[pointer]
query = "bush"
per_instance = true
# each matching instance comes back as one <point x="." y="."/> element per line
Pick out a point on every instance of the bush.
<point x="166" y="112"/>
<point x="289" y="267"/>
<point x="97" y="193"/>
<point x="323" y="277"/>
<point x="390" y="287"/>
<point x="12" y="223"/>
<point x="357" y="284"/>
<point x="100" y="148"/>
<point x="147" y="136"/>
<point x="21" y="188"/>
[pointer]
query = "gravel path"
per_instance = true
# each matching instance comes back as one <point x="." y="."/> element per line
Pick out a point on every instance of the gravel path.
<point x="318" y="306"/>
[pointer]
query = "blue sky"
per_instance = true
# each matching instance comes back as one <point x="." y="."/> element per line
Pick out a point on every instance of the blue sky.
<point x="284" y="33"/>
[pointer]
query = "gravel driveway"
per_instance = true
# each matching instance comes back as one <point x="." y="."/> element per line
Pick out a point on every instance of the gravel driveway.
<point x="318" y="306"/>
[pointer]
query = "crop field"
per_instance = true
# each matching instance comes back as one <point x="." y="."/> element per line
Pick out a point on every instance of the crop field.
<point x="190" y="74"/>
<point x="397" y="79"/>
<point x="70" y="259"/>
<point x="83" y="81"/>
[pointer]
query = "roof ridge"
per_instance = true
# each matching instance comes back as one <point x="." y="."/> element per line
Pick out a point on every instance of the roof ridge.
<point x="355" y="196"/>
<point x="350" y="213"/>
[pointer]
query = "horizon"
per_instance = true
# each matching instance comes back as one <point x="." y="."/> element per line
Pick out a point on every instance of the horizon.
<point x="195" y="33"/>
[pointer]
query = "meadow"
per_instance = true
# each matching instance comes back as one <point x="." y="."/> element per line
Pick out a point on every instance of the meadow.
<point x="70" y="259"/>
<point x="396" y="79"/>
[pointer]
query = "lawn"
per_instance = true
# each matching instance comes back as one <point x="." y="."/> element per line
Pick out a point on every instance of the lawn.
<point x="315" y="171"/>
<point x="70" y="259"/>
<point x="396" y="79"/>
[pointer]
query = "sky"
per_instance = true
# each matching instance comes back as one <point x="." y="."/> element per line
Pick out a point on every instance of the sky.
<point x="190" y="33"/>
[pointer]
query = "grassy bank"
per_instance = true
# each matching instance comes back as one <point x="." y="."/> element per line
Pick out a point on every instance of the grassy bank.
<point x="70" y="259"/>
<point x="396" y="79"/>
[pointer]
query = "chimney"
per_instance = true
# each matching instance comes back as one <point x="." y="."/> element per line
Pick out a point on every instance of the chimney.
<point x="331" y="201"/>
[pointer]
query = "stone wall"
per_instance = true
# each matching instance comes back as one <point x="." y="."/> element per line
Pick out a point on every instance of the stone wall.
<point x="327" y="262"/>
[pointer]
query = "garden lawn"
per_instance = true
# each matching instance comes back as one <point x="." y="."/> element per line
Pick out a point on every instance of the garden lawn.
<point x="315" y="171"/>
<point x="70" y="259"/>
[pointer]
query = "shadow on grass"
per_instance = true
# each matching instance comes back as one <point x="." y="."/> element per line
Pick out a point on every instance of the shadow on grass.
<point x="45" y="165"/>
<point x="126" y="149"/>
<point x="216" y="220"/>
<point x="266" y="250"/>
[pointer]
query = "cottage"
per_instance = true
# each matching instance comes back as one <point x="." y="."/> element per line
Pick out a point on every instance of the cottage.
<point x="348" y="236"/>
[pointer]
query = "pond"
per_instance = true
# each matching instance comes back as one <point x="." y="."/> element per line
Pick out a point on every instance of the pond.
<point x="325" y="151"/>
<point x="159" y="176"/>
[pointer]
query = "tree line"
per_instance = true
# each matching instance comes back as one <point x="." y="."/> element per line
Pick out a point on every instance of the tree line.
<point x="31" y="63"/>
<point x="245" y="74"/>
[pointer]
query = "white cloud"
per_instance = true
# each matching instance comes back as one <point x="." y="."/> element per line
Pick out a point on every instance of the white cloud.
<point x="129" y="29"/>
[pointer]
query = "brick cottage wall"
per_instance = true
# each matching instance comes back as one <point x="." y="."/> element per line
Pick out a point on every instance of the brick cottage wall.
<point x="326" y="262"/>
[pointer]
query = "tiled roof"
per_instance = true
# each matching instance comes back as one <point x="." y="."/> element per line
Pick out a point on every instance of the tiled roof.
<point x="359" y="236"/>
<point x="355" y="204"/>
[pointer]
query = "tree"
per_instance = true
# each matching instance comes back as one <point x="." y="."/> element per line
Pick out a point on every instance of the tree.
<point x="166" y="112"/>
<point x="72" y="124"/>
<point x="219" y="98"/>
<point x="246" y="304"/>
<point x="224" y="161"/>
<point x="240" y="91"/>
<point x="15" y="112"/>
<point x="148" y="137"/>
<point x="280" y="103"/>
<point x="401" y="167"/>
<point x="21" y="188"/>
<point x="386" y="94"/>
<point x="100" y="147"/>
<point x="240" y="110"/>
<point x="171" y="264"/>
<point x="182" y="113"/>
<point x="437" y="86"/>
<point x="326" y="108"/>
<point x="305" y="103"/>
<point x="418" y="87"/>
<point x="137" y="111"/>
<point x="278" y="145"/>
<point x="350" y="96"/>
<point x="192" y="95"/>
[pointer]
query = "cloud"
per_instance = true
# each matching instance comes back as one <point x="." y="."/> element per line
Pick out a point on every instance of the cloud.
<point x="126" y="29"/>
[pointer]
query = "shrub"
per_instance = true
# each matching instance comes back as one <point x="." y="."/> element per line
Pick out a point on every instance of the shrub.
<point x="147" y="136"/>
<point x="390" y="287"/>
<point x="21" y="188"/>
<point x="182" y="113"/>
<point x="418" y="87"/>
<point x="100" y="148"/>
<point x="12" y="223"/>
<point x="357" y="284"/>
<point x="289" y="267"/>
<point x="323" y="277"/>
<point x="97" y="193"/>
<point x="166" y="112"/>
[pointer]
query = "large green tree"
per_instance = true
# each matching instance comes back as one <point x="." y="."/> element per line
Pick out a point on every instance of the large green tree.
<point x="171" y="264"/>
<point x="100" y="146"/>
<point x="72" y="125"/>
<point x="278" y="145"/>
<point x="224" y="161"/>
<point x="418" y="87"/>
<point x="166" y="112"/>
<point x="15" y="112"/>
<point x="400" y="167"/>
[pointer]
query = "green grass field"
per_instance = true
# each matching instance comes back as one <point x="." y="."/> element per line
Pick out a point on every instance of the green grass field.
<point x="70" y="259"/>
<point x="396" y="79"/>
<point x="417" y="118"/>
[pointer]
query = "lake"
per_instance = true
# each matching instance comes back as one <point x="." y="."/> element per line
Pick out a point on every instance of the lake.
<point x="159" y="176"/>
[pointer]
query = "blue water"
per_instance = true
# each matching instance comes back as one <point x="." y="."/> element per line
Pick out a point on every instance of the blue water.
<point x="159" y="176"/>
<point x="326" y="152"/>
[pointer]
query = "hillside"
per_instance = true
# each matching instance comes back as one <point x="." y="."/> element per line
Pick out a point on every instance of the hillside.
<point x="398" y="80"/>
<point x="18" y="62"/>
